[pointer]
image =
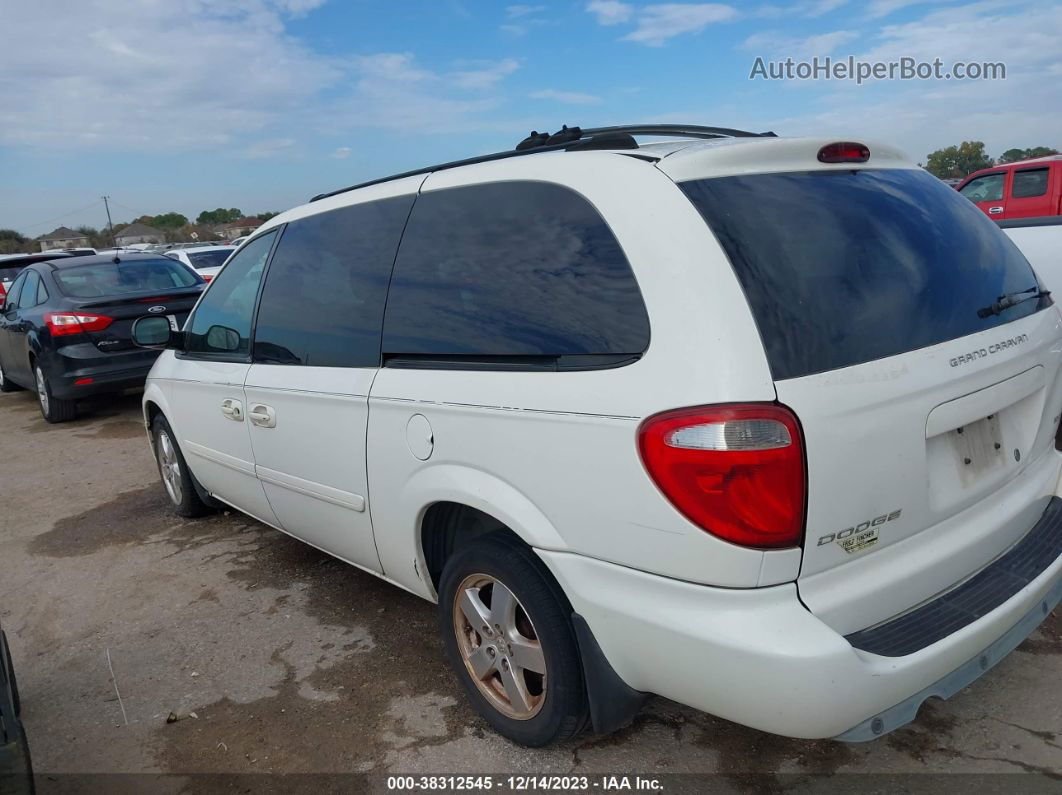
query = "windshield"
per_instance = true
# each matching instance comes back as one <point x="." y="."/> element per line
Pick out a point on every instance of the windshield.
<point x="209" y="259"/>
<point x="844" y="267"/>
<point x="128" y="276"/>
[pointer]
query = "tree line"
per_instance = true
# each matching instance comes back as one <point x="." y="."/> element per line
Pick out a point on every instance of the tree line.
<point x="956" y="162"/>
<point x="176" y="227"/>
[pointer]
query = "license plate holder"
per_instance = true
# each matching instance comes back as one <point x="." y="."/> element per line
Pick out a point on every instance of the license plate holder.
<point x="979" y="448"/>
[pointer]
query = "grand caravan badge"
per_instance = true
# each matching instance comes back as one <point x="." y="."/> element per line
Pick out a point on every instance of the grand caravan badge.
<point x="861" y="536"/>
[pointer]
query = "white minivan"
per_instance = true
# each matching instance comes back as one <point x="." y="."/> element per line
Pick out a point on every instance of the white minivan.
<point x="762" y="425"/>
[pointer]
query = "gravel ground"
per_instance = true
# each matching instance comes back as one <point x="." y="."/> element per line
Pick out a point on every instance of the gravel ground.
<point x="276" y="658"/>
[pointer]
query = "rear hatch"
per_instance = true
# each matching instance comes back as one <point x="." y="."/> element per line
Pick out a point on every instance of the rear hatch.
<point x="113" y="295"/>
<point x="928" y="405"/>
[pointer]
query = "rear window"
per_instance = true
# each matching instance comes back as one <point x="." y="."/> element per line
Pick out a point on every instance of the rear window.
<point x="844" y="267"/>
<point x="7" y="275"/>
<point x="209" y="259"/>
<point x="127" y="276"/>
<point x="512" y="269"/>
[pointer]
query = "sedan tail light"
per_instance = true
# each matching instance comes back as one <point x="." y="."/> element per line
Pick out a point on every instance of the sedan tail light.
<point x="64" y="323"/>
<point x="736" y="471"/>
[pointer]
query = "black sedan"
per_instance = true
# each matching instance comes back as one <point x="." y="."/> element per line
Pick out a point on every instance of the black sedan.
<point x="16" y="770"/>
<point x="66" y="324"/>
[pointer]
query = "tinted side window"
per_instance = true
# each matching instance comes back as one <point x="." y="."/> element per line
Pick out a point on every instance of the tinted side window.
<point x="28" y="297"/>
<point x="323" y="299"/>
<point x="1029" y="183"/>
<point x="512" y="269"/>
<point x="13" y="292"/>
<point x="42" y="293"/>
<point x="988" y="188"/>
<point x="222" y="321"/>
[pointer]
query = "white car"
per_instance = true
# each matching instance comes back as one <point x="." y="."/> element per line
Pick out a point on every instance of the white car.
<point x="205" y="260"/>
<point x="1040" y="240"/>
<point x="762" y="425"/>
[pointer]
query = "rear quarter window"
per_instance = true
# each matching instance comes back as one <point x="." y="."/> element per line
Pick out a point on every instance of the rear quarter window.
<point x="512" y="269"/>
<point x="845" y="267"/>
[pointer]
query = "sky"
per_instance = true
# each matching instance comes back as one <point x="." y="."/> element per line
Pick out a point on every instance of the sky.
<point x="186" y="105"/>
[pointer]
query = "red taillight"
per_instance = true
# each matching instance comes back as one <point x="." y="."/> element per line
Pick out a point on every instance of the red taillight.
<point x="63" y="323"/>
<point x="206" y="277"/>
<point x="844" y="152"/>
<point x="83" y="382"/>
<point x="736" y="471"/>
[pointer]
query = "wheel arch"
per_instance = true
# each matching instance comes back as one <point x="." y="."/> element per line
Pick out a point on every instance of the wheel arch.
<point x="458" y="504"/>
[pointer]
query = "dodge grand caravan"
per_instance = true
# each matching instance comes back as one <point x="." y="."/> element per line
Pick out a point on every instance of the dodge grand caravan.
<point x="761" y="425"/>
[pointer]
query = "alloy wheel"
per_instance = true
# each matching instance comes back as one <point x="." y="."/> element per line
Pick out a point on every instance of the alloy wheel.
<point x="170" y="468"/>
<point x="42" y="390"/>
<point x="499" y="646"/>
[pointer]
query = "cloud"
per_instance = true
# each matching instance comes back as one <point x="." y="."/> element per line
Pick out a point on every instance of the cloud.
<point x="298" y="8"/>
<point x="218" y="76"/>
<point x="882" y="8"/>
<point x="610" y="12"/>
<point x="921" y="116"/>
<point x="486" y="74"/>
<point x="807" y="8"/>
<point x="270" y="147"/>
<point x="517" y="11"/>
<point x="109" y="75"/>
<point x="392" y="91"/>
<point x="397" y="66"/>
<point x="566" y="97"/>
<point x="777" y="46"/>
<point x="341" y="152"/>
<point x="522" y="18"/>
<point x="659" y="23"/>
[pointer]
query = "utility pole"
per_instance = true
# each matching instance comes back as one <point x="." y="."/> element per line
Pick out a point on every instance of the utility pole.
<point x="110" y="226"/>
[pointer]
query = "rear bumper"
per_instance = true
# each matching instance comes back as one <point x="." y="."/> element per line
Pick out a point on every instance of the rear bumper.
<point x="110" y="372"/>
<point x="760" y="658"/>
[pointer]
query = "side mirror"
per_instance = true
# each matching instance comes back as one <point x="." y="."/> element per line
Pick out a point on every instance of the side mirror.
<point x="223" y="338"/>
<point x="153" y="331"/>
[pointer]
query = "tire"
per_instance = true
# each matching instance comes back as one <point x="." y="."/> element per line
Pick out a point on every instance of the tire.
<point x="52" y="408"/>
<point x="16" y="699"/>
<point x="176" y="477"/>
<point x="6" y="384"/>
<point x="541" y="708"/>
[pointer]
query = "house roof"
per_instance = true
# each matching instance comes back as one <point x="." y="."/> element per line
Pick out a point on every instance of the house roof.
<point x="61" y="233"/>
<point x="138" y="229"/>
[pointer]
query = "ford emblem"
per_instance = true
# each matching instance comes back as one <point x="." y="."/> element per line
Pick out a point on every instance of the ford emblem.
<point x="157" y="309"/>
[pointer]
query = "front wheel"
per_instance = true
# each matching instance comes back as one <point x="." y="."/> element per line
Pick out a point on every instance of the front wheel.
<point x="53" y="409"/>
<point x="508" y="634"/>
<point x="176" y="476"/>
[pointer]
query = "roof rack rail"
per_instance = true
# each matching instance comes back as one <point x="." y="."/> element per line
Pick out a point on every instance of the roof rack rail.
<point x="571" y="138"/>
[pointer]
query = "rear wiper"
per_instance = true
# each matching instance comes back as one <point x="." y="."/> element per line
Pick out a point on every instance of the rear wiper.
<point x="1012" y="299"/>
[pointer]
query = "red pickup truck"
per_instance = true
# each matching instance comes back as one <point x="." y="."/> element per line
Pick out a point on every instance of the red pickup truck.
<point x="1026" y="189"/>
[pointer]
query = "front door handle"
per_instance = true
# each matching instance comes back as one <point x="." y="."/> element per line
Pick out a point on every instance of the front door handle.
<point x="995" y="210"/>
<point x="232" y="409"/>
<point x="263" y="416"/>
